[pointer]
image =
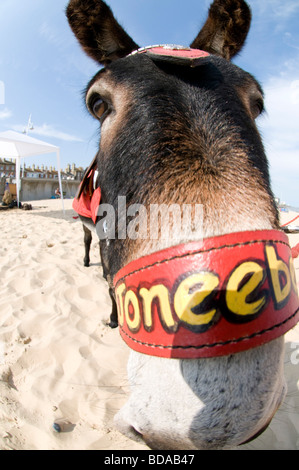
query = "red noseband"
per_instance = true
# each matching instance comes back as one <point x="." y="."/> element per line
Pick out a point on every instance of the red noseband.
<point x="212" y="298"/>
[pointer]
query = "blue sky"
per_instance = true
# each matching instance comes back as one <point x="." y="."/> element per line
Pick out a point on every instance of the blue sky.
<point x="43" y="72"/>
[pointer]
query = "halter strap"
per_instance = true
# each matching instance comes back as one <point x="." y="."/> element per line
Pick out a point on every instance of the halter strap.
<point x="178" y="55"/>
<point x="211" y="298"/>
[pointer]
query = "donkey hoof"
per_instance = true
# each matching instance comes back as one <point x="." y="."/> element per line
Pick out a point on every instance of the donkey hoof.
<point x="113" y="324"/>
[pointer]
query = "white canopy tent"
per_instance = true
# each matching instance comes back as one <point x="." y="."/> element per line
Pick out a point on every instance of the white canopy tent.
<point x="18" y="146"/>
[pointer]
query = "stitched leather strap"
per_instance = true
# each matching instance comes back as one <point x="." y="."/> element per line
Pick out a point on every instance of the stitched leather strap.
<point x="178" y="55"/>
<point x="203" y="299"/>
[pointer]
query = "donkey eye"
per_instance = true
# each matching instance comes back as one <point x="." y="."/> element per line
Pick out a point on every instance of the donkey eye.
<point x="258" y="108"/>
<point x="98" y="106"/>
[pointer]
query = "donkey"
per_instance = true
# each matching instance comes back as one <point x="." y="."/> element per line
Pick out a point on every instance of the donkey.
<point x="89" y="195"/>
<point x="178" y="127"/>
<point x="87" y="244"/>
<point x="88" y="185"/>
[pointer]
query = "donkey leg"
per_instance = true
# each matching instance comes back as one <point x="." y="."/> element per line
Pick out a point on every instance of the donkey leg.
<point x="113" y="317"/>
<point x="87" y="243"/>
<point x="113" y="323"/>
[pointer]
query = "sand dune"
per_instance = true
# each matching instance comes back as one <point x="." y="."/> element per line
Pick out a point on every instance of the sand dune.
<point x="58" y="359"/>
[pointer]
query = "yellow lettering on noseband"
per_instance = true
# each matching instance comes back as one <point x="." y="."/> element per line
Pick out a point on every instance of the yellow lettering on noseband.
<point x="243" y="282"/>
<point x="193" y="301"/>
<point x="210" y="298"/>
<point x="159" y="293"/>
<point x="191" y="294"/>
<point x="133" y="317"/>
<point x="279" y="278"/>
<point x="119" y="291"/>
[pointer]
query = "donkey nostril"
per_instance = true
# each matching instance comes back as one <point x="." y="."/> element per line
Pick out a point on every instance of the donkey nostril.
<point x="252" y="438"/>
<point x="136" y="435"/>
<point x="123" y="425"/>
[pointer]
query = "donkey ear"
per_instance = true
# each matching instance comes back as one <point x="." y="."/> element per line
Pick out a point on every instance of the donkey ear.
<point x="226" y="28"/>
<point x="98" y="32"/>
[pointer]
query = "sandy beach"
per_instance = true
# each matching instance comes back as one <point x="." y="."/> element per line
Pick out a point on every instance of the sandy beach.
<point x="58" y="359"/>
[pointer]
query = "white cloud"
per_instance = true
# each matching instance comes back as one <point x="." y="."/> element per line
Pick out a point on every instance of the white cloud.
<point x="50" y="131"/>
<point x="5" y="113"/>
<point x="280" y="131"/>
<point x="47" y="33"/>
<point x="52" y="35"/>
<point x="275" y="15"/>
<point x="47" y="130"/>
<point x="285" y="10"/>
<point x="276" y="8"/>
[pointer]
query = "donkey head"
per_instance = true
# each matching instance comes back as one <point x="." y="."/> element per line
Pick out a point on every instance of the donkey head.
<point x="172" y="133"/>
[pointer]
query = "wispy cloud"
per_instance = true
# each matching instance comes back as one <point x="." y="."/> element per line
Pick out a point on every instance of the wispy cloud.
<point x="276" y="8"/>
<point x="5" y="113"/>
<point x="47" y="130"/>
<point x="274" y="14"/>
<point x="51" y="35"/>
<point x="50" y="131"/>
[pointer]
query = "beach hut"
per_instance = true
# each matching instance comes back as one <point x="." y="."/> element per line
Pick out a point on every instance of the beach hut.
<point x="18" y="146"/>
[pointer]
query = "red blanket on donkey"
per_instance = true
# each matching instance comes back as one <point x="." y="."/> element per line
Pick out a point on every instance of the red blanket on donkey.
<point x="88" y="199"/>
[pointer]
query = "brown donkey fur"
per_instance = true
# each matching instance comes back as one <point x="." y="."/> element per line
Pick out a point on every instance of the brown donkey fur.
<point x="190" y="131"/>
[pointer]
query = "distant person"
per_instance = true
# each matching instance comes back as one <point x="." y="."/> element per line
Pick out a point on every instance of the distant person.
<point x="7" y="198"/>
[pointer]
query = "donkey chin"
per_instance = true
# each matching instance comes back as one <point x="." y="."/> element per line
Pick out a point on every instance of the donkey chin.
<point x="203" y="404"/>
